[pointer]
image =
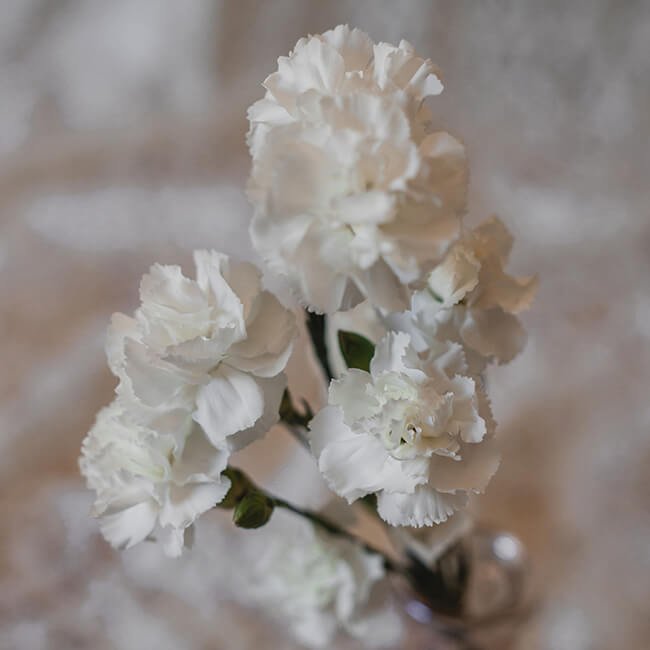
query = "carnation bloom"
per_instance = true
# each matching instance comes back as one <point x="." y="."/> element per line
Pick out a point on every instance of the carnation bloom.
<point x="341" y="62"/>
<point x="415" y="431"/>
<point x="201" y="374"/>
<point x="320" y="584"/>
<point x="212" y="349"/>
<point x="469" y="299"/>
<point x="352" y="194"/>
<point x="149" y="483"/>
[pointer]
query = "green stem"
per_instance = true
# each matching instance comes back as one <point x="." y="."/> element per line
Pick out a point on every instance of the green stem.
<point x="243" y="487"/>
<point x="335" y="529"/>
<point x="442" y="586"/>
<point x="316" y="328"/>
<point x="295" y="421"/>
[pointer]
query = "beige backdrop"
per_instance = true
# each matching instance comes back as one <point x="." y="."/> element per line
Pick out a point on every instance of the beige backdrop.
<point x="122" y="143"/>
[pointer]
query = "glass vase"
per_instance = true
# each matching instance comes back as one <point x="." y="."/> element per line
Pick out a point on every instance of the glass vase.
<point x="478" y="600"/>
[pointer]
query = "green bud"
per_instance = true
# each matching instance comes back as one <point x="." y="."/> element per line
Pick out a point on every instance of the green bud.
<point x="357" y="350"/>
<point x="240" y="484"/>
<point x="253" y="511"/>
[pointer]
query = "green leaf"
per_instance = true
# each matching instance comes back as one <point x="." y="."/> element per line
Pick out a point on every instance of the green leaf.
<point x="357" y="350"/>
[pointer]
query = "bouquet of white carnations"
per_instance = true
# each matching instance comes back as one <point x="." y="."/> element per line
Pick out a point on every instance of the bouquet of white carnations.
<point x="358" y="206"/>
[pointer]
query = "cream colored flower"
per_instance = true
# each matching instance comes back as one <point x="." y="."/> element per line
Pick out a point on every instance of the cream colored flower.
<point x="213" y="349"/>
<point x="341" y="62"/>
<point x="320" y="585"/>
<point x="471" y="300"/>
<point x="352" y="193"/>
<point x="149" y="483"/>
<point x="415" y="431"/>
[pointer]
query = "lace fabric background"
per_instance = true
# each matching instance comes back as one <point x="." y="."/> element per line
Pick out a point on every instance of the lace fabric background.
<point x="122" y="143"/>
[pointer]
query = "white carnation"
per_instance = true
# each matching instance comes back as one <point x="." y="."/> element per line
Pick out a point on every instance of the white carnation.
<point x="201" y="374"/>
<point x="212" y="349"/>
<point x="341" y="62"/>
<point x="148" y="483"/>
<point x="320" y="584"/>
<point x="415" y="431"/>
<point x="352" y="193"/>
<point x="469" y="299"/>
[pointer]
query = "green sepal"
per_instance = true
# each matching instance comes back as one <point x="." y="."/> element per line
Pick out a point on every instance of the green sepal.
<point x="240" y="484"/>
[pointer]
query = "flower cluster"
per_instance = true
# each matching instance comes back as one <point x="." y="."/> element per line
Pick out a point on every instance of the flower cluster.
<point x="353" y="194"/>
<point x="357" y="207"/>
<point x="201" y="374"/>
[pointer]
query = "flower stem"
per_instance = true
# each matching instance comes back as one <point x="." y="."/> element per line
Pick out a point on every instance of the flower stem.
<point x="316" y="328"/>
<point x="295" y="421"/>
<point x="335" y="529"/>
<point x="441" y="586"/>
<point x="243" y="487"/>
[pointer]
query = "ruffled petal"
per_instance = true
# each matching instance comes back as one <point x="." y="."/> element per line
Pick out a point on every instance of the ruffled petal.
<point x="494" y="333"/>
<point x="125" y="528"/>
<point x="272" y="389"/>
<point x="356" y="464"/>
<point x="230" y="402"/>
<point x="351" y="393"/>
<point x="458" y="274"/>
<point x="267" y="348"/>
<point x="472" y="473"/>
<point x="185" y="503"/>
<point x="424" y="507"/>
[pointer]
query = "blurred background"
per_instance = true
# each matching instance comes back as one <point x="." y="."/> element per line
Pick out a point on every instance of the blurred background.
<point x="122" y="143"/>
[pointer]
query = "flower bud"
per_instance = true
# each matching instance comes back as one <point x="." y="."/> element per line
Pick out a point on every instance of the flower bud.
<point x="253" y="511"/>
<point x="240" y="484"/>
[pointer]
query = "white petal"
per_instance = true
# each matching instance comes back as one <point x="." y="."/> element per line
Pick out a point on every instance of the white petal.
<point x="356" y="464"/>
<point x="456" y="276"/>
<point x="245" y="280"/>
<point x="369" y="207"/>
<point x="272" y="388"/>
<point x="185" y="503"/>
<point x="200" y="461"/>
<point x="166" y="288"/>
<point x="174" y="309"/>
<point x="125" y="528"/>
<point x="471" y="426"/>
<point x="494" y="333"/>
<point x="231" y="402"/>
<point x="212" y="268"/>
<point x="173" y="540"/>
<point x="390" y="353"/>
<point x="354" y="46"/>
<point x="154" y="381"/>
<point x="382" y="287"/>
<point x="473" y="473"/>
<point x="351" y="392"/>
<point x="424" y="507"/>
<point x="506" y="291"/>
<point x="120" y="328"/>
<point x="267" y="348"/>
<point x="493" y="239"/>
<point x="406" y="322"/>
